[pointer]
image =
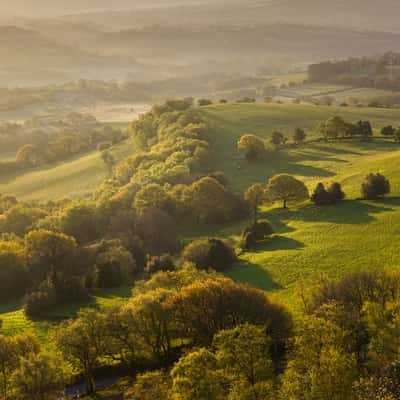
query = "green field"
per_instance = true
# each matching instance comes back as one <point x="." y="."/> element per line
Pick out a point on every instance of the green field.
<point x="309" y="242"/>
<point x="362" y="94"/>
<point x="76" y="177"/>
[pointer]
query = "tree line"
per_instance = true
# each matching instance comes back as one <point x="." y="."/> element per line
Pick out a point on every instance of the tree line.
<point x="202" y="336"/>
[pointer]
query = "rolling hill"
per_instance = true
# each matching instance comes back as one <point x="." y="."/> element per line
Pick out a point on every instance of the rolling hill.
<point x="309" y="241"/>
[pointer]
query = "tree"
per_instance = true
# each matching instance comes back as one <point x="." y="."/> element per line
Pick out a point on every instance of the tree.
<point x="284" y="187"/>
<point x="299" y="136"/>
<point x="208" y="199"/>
<point x="278" y="139"/>
<point x="83" y="343"/>
<point x="108" y="160"/>
<point x="14" y="275"/>
<point x="320" y="369"/>
<point x="320" y="196"/>
<point x="30" y="155"/>
<point x="332" y="128"/>
<point x="397" y="135"/>
<point x="158" y="230"/>
<point x="114" y="265"/>
<point x="152" y="196"/>
<point x="204" y="102"/>
<point x="375" y="186"/>
<point x="365" y="129"/>
<point x="52" y="253"/>
<point x="254" y="196"/>
<point x="11" y="350"/>
<point x="203" y="309"/>
<point x="211" y="253"/>
<point x="142" y="328"/>
<point x="388" y="131"/>
<point x="244" y="354"/>
<point x="80" y="221"/>
<point x="383" y="322"/>
<point x="251" y="146"/>
<point x="151" y="386"/>
<point x="197" y="377"/>
<point x="335" y="192"/>
<point x="40" y="377"/>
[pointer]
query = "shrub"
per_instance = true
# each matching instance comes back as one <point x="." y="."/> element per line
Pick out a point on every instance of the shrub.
<point x="388" y="131"/>
<point x="251" y="146"/>
<point x="375" y="186"/>
<point x="256" y="233"/>
<point x="336" y="193"/>
<point x="204" y="102"/>
<point x="320" y="196"/>
<point x="37" y="304"/>
<point x="212" y="253"/>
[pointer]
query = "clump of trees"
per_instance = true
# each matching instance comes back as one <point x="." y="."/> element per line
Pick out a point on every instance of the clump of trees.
<point x="41" y="141"/>
<point x="336" y="127"/>
<point x="322" y="196"/>
<point x="28" y="372"/>
<point x="375" y="186"/>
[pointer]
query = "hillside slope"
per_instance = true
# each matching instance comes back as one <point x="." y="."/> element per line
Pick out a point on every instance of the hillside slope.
<point x="310" y="241"/>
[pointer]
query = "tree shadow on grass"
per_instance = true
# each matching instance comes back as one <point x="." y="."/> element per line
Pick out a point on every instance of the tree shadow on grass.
<point x="278" y="243"/>
<point x="334" y="149"/>
<point x="346" y="212"/>
<point x="254" y="275"/>
<point x="306" y="170"/>
<point x="304" y="155"/>
<point x="276" y="220"/>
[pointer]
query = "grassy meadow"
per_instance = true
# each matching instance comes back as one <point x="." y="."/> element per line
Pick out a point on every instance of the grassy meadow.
<point x="310" y="241"/>
<point x="75" y="177"/>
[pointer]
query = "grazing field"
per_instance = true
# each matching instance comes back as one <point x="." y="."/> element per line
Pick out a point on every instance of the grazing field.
<point x="313" y="161"/>
<point x="14" y="320"/>
<point x="76" y="177"/>
<point x="315" y="90"/>
<point x="363" y="94"/>
<point x="311" y="241"/>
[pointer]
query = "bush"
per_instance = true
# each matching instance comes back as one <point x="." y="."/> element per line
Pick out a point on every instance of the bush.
<point x="212" y="253"/>
<point x="322" y="196"/>
<point x="388" y="131"/>
<point x="251" y="146"/>
<point x="375" y="186"/>
<point x="336" y="193"/>
<point x="256" y="233"/>
<point x="204" y="102"/>
<point x="37" y="304"/>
